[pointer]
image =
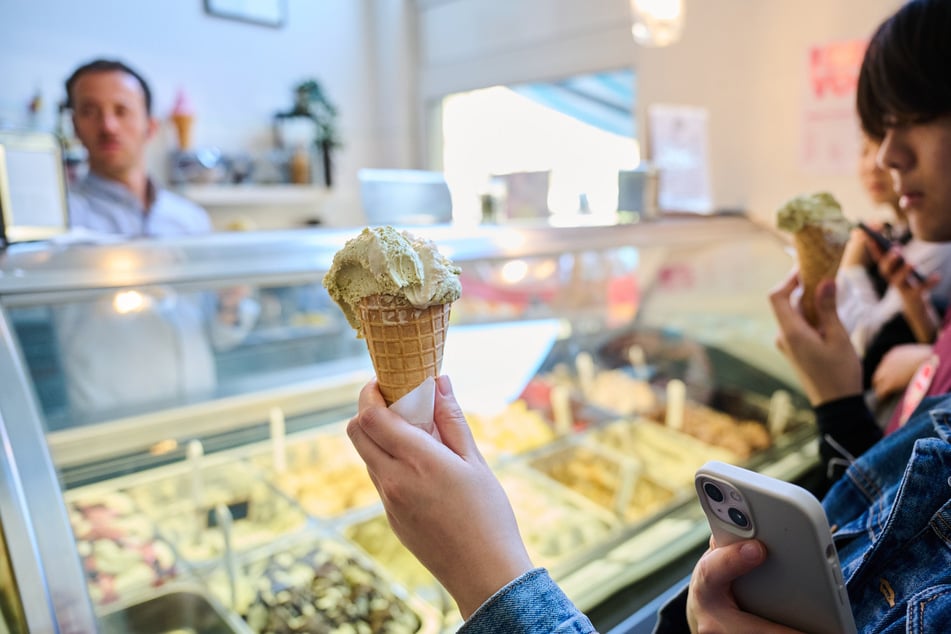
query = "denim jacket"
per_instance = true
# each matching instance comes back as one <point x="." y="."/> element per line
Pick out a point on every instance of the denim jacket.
<point x="531" y="604"/>
<point x="891" y="518"/>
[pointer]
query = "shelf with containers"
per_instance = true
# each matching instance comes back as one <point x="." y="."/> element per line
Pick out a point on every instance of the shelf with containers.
<point x="161" y="454"/>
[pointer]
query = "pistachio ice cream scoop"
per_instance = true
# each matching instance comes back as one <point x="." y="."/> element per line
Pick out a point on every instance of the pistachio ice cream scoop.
<point x="820" y="233"/>
<point x="396" y="290"/>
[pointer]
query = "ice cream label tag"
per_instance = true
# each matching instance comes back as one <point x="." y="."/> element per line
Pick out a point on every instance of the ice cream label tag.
<point x="916" y="391"/>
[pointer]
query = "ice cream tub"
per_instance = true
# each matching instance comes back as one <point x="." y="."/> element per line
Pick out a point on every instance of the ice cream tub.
<point x="121" y="551"/>
<point x="662" y="454"/>
<point x="316" y="582"/>
<point x="321" y="471"/>
<point x="559" y="527"/>
<point x="183" y="500"/>
<point x="372" y="534"/>
<point x="614" y="482"/>
<point x="177" y="609"/>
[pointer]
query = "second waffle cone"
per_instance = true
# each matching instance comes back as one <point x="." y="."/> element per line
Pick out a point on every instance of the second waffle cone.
<point x="819" y="258"/>
<point x="405" y="343"/>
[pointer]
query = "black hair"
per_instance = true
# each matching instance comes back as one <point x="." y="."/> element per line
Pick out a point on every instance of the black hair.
<point x="906" y="72"/>
<point x="106" y="66"/>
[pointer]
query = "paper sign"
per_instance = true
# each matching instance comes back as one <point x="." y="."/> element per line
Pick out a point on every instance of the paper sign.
<point x="679" y="149"/>
<point x="831" y="134"/>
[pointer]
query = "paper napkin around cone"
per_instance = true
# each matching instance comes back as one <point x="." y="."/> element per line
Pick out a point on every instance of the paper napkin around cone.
<point x="418" y="406"/>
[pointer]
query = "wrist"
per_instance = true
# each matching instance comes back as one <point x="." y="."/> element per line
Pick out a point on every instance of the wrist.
<point x="472" y="591"/>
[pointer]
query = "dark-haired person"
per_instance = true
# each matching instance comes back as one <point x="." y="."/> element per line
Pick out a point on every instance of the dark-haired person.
<point x="112" y="116"/>
<point x="892" y="327"/>
<point x="162" y="351"/>
<point x="892" y="508"/>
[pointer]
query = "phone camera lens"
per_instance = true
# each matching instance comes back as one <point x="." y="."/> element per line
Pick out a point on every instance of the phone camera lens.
<point x="739" y="518"/>
<point x="713" y="492"/>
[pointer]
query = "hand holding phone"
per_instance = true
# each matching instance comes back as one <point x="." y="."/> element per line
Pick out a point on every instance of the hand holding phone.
<point x="884" y="244"/>
<point x="800" y="584"/>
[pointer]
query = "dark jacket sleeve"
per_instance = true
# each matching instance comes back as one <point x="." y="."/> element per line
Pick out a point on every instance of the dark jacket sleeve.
<point x="672" y="617"/>
<point x="847" y="429"/>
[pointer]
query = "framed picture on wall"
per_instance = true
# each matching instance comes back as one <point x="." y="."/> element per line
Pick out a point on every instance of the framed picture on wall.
<point x="271" y="13"/>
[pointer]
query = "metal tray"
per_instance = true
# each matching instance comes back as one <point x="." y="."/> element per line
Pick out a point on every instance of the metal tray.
<point x="179" y="609"/>
<point x="333" y="581"/>
<point x="324" y="473"/>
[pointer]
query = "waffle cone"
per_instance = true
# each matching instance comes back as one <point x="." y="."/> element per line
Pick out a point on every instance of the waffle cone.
<point x="405" y="342"/>
<point x="818" y="259"/>
<point x="183" y="129"/>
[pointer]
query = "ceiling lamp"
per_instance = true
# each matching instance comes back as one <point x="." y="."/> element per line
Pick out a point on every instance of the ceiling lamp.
<point x="657" y="22"/>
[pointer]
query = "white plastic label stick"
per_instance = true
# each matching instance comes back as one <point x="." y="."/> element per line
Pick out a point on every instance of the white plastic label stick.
<point x="636" y="357"/>
<point x="780" y="411"/>
<point x="278" y="446"/>
<point x="225" y="521"/>
<point x="584" y="364"/>
<point x="194" y="454"/>
<point x="630" y="471"/>
<point x="561" y="410"/>
<point x="676" y="397"/>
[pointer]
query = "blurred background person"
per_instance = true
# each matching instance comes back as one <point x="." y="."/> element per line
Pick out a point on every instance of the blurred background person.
<point x="112" y="115"/>
<point x="892" y="326"/>
<point x="136" y="348"/>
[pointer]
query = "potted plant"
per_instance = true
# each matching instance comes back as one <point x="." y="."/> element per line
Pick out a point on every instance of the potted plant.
<point x="311" y="102"/>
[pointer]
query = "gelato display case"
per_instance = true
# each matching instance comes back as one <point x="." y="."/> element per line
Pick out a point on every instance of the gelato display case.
<point x="173" y="419"/>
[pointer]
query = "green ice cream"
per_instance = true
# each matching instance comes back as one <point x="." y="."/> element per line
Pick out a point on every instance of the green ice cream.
<point x="384" y="261"/>
<point x="820" y="210"/>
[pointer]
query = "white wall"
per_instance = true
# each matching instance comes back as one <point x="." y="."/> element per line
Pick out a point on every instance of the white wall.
<point x="236" y="74"/>
<point x="743" y="60"/>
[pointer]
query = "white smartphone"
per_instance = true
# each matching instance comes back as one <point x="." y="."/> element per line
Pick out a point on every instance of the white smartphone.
<point x="800" y="584"/>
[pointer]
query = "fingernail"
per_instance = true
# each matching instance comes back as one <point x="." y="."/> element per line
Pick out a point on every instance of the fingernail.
<point x="444" y="385"/>
<point x="750" y="552"/>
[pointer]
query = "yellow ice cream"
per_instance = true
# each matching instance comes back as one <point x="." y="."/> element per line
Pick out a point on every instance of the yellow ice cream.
<point x="818" y="210"/>
<point x="384" y="261"/>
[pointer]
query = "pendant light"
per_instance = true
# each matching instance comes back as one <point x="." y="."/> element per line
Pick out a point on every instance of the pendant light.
<point x="657" y="22"/>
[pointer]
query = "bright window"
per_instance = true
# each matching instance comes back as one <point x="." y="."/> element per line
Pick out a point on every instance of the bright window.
<point x="569" y="137"/>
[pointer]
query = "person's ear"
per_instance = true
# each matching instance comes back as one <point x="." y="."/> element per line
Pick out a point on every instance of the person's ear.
<point x="152" y="128"/>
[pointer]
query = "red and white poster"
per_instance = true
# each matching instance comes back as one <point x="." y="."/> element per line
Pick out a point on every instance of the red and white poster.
<point x="830" y="125"/>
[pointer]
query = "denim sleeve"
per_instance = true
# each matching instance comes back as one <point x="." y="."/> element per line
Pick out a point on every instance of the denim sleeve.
<point x="530" y="604"/>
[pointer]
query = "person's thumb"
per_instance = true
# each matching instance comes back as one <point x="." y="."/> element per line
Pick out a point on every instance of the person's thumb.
<point x="826" y="312"/>
<point x="450" y="421"/>
<point x="726" y="563"/>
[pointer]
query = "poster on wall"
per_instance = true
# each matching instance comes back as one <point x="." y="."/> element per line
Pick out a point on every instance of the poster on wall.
<point x="831" y="137"/>
<point x="678" y="145"/>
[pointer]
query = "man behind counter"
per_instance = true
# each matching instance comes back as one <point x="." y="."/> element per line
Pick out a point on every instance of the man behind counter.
<point x="117" y="360"/>
<point x="112" y="116"/>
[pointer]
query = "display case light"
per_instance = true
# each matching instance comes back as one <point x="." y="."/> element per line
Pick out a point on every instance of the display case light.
<point x="130" y="301"/>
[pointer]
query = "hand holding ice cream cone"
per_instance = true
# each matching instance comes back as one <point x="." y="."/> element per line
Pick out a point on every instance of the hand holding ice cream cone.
<point x="396" y="290"/>
<point x="820" y="233"/>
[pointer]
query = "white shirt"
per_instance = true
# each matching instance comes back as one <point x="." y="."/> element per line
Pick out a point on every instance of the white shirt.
<point x="160" y="354"/>
<point x="863" y="313"/>
<point x="107" y="206"/>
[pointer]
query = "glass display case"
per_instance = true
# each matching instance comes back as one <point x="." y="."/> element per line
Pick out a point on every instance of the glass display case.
<point x="173" y="418"/>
